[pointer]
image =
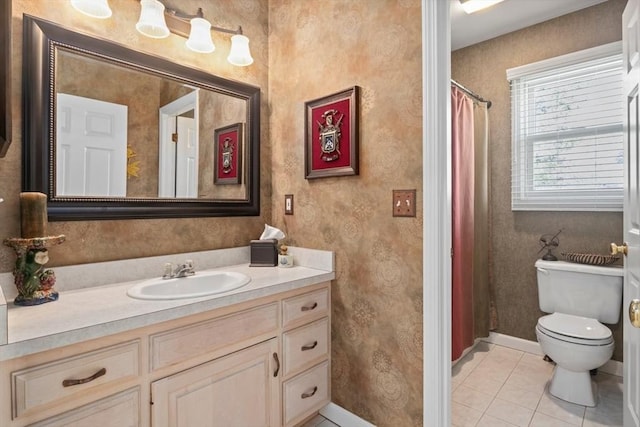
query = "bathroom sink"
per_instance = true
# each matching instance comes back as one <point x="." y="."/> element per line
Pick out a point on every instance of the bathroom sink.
<point x="199" y="285"/>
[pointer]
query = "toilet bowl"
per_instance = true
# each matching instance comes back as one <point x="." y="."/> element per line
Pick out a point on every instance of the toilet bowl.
<point x="579" y="298"/>
<point x="577" y="345"/>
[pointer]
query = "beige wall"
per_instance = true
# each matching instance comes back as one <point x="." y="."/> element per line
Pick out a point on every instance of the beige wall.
<point x="316" y="48"/>
<point x="90" y="241"/>
<point x="515" y="234"/>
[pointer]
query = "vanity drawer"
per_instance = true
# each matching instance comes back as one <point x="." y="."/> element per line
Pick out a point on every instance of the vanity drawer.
<point x="121" y="410"/>
<point x="202" y="339"/>
<point x="305" y="307"/>
<point x="305" y="345"/>
<point x="306" y="393"/>
<point x="41" y="385"/>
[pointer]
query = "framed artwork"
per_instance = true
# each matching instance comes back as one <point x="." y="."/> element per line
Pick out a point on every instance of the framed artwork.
<point x="331" y="135"/>
<point x="227" y="155"/>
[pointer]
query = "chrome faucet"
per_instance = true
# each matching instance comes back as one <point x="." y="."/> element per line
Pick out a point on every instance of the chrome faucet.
<point x="181" y="270"/>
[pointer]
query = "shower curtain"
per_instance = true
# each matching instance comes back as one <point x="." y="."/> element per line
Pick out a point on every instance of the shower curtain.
<point x="472" y="310"/>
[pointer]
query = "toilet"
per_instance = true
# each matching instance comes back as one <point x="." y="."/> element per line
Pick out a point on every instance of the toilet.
<point x="580" y="298"/>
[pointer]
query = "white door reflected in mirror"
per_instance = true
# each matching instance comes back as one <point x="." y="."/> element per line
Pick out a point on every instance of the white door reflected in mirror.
<point x="179" y="147"/>
<point x="91" y="158"/>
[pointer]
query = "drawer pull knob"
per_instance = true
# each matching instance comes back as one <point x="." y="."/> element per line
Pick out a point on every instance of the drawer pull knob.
<point x="309" y="393"/>
<point x="309" y="346"/>
<point x="309" y="307"/>
<point x="275" y="357"/>
<point x="69" y="383"/>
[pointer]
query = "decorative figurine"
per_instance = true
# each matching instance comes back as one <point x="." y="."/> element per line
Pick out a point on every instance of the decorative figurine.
<point x="33" y="281"/>
<point x="549" y="242"/>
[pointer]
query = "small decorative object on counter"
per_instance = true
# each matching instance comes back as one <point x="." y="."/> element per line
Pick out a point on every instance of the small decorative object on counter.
<point x="33" y="281"/>
<point x="284" y="259"/>
<point x="548" y="242"/>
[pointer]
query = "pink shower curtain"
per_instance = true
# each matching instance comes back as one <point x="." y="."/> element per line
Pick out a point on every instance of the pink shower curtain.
<point x="462" y="139"/>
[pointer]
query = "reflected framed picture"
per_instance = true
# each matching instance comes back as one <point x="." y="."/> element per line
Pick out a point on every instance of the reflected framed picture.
<point x="227" y="155"/>
<point x="331" y="135"/>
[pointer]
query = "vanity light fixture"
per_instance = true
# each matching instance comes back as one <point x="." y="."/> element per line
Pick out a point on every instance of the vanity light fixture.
<point x="93" y="8"/>
<point x="157" y="21"/>
<point x="471" y="6"/>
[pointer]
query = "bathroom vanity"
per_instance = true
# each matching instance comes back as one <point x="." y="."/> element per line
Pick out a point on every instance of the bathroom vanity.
<point x="258" y="355"/>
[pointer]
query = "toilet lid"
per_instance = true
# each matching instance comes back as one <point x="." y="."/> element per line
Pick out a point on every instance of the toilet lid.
<point x="575" y="326"/>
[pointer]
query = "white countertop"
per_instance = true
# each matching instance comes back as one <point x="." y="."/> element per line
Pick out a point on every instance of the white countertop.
<point x="86" y="313"/>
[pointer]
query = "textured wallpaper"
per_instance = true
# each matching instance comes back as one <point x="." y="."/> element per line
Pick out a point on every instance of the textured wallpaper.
<point x="317" y="48"/>
<point x="482" y="68"/>
<point x="92" y="241"/>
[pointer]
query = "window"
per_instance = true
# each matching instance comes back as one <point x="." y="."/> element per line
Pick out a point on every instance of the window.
<point x="567" y="132"/>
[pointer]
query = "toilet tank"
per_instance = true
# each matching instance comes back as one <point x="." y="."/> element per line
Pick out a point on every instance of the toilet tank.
<point x="579" y="289"/>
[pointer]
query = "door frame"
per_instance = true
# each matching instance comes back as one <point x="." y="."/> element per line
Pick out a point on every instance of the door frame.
<point x="167" y="149"/>
<point x="436" y="184"/>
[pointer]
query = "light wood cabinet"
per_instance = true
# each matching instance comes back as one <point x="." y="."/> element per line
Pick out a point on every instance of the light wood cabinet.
<point x="264" y="362"/>
<point x="306" y="350"/>
<point x="240" y="389"/>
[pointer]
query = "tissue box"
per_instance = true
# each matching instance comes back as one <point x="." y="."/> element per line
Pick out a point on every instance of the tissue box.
<point x="264" y="253"/>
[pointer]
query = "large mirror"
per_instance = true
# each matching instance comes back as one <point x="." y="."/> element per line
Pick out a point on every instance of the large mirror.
<point x="114" y="133"/>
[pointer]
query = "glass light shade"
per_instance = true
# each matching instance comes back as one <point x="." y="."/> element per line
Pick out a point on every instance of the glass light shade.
<point x="200" y="36"/>
<point x="471" y="6"/>
<point x="151" y="22"/>
<point x="93" y="8"/>
<point x="239" y="53"/>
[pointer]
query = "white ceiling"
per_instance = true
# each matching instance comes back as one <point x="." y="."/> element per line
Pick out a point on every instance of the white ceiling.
<point x="505" y="17"/>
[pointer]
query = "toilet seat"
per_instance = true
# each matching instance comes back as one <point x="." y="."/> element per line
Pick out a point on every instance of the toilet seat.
<point x="575" y="329"/>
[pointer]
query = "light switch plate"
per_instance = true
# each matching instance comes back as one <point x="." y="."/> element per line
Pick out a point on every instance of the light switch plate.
<point x="288" y="204"/>
<point x="404" y="203"/>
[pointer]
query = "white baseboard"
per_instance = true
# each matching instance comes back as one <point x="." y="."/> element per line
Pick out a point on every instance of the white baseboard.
<point x="338" y="415"/>
<point x="612" y="367"/>
<point x="515" y="343"/>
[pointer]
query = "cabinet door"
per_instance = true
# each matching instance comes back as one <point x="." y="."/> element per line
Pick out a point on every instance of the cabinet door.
<point x="237" y="390"/>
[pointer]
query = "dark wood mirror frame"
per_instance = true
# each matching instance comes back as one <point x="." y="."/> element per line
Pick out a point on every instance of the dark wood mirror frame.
<point x="5" y="77"/>
<point x="40" y="40"/>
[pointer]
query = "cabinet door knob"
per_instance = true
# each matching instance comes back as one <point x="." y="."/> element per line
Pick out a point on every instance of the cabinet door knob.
<point x="275" y="357"/>
<point x="309" y="346"/>
<point x="309" y="393"/>
<point x="69" y="383"/>
<point x="309" y="307"/>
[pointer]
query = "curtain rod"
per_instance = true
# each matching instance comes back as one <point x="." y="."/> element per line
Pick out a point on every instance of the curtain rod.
<point x="471" y="93"/>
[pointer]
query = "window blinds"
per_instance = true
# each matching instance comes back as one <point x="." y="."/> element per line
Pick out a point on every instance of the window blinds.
<point x="567" y="132"/>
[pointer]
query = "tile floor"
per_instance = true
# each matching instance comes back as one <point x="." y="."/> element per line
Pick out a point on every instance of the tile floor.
<point x="319" y="421"/>
<point x="495" y="386"/>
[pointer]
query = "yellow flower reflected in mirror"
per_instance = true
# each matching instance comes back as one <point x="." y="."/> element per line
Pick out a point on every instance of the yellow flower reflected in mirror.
<point x="133" y="166"/>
